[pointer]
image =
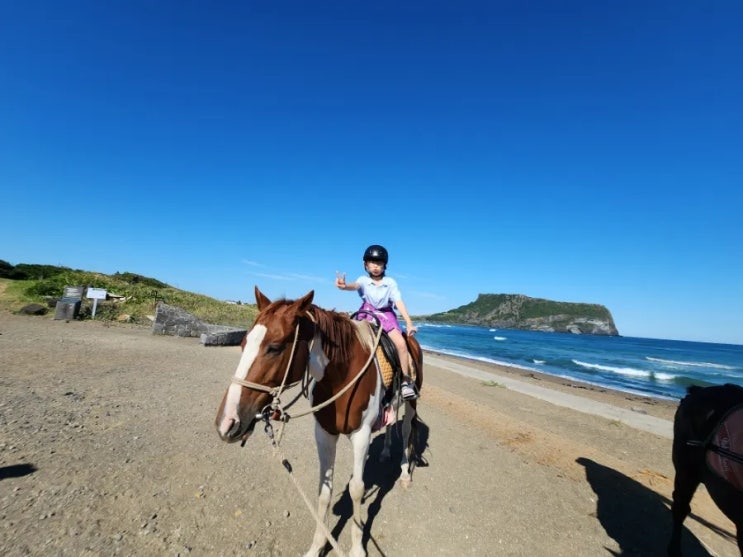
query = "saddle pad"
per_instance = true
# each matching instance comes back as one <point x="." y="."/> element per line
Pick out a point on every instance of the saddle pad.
<point x="388" y="372"/>
<point x="729" y="437"/>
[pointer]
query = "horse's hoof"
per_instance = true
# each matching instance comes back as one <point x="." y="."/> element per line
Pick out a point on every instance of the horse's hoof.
<point x="357" y="553"/>
<point x="406" y="482"/>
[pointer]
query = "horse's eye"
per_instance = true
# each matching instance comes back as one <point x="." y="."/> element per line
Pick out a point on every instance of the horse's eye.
<point x="275" y="348"/>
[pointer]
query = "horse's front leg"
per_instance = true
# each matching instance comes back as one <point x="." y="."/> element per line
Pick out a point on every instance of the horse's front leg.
<point x="326" y="449"/>
<point x="360" y="440"/>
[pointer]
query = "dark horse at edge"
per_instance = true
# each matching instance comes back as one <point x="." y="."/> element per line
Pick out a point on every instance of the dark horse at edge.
<point x="699" y="416"/>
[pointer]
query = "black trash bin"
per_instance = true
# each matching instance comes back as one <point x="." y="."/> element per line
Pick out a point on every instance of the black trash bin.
<point x="68" y="307"/>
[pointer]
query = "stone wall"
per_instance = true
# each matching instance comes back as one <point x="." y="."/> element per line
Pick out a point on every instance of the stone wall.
<point x="172" y="320"/>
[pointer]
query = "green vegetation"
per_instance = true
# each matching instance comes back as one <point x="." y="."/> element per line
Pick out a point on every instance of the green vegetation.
<point x="25" y="271"/>
<point x="535" y="307"/>
<point x="130" y="295"/>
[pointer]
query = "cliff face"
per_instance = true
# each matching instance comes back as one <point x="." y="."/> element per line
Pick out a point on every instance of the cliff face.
<point x="515" y="311"/>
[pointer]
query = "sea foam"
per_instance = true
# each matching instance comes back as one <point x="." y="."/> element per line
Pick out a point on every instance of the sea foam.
<point x="628" y="371"/>
<point x="689" y="364"/>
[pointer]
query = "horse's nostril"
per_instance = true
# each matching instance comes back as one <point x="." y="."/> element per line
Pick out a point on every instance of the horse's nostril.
<point x="226" y="428"/>
<point x="234" y="429"/>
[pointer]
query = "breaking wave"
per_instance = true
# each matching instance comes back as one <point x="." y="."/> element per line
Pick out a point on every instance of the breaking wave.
<point x="627" y="371"/>
<point x="690" y="364"/>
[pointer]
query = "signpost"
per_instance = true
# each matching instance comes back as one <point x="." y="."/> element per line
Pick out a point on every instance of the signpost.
<point x="96" y="294"/>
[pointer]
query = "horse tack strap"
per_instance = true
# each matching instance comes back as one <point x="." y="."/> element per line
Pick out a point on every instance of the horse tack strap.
<point x="256" y="386"/>
<point x="275" y="392"/>
<point x="350" y="384"/>
<point x="725" y="448"/>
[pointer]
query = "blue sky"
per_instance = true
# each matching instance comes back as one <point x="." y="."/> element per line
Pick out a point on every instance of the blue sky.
<point x="576" y="151"/>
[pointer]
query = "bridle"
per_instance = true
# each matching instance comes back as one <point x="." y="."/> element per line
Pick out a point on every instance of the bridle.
<point x="275" y="408"/>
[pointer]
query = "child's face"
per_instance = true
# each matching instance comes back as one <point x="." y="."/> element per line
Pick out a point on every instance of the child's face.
<point x="375" y="268"/>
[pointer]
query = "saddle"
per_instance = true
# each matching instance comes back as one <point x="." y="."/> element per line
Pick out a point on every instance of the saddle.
<point x="388" y="363"/>
<point x="388" y="360"/>
<point x="725" y="448"/>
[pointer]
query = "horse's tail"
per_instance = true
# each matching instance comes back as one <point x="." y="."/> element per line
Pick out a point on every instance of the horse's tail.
<point x="418" y="442"/>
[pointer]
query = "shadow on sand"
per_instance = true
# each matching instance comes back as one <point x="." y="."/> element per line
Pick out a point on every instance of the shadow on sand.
<point x="16" y="471"/>
<point x="379" y="479"/>
<point x="636" y="517"/>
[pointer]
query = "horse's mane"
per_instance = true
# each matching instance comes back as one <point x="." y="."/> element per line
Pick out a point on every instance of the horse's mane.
<point x="337" y="333"/>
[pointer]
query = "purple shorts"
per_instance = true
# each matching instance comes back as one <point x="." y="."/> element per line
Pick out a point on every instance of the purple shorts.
<point x="386" y="316"/>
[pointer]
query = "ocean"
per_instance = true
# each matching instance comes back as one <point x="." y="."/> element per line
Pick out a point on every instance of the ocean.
<point x="651" y="367"/>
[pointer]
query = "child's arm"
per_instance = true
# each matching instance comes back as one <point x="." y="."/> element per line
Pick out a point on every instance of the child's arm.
<point x="410" y="328"/>
<point x="340" y="282"/>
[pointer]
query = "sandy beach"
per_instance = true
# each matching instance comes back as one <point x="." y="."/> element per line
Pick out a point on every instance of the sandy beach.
<point x="107" y="447"/>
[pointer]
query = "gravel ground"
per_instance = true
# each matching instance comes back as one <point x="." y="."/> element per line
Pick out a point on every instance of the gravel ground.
<point x="107" y="447"/>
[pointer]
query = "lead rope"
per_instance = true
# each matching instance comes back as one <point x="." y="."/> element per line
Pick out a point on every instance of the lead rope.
<point x="268" y="428"/>
<point x="284" y="417"/>
<point x="285" y="461"/>
<point x="288" y="467"/>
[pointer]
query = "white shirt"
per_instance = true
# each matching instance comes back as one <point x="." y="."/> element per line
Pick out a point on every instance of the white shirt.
<point x="381" y="294"/>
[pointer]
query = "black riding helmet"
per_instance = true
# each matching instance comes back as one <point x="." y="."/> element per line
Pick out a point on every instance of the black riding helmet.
<point x="376" y="253"/>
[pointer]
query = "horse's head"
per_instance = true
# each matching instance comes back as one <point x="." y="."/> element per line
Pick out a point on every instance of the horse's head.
<point x="274" y="353"/>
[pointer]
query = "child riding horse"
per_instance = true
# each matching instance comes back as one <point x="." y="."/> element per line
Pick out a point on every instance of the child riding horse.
<point x="289" y="339"/>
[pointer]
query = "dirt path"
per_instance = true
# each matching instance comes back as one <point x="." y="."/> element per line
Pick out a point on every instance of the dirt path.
<point x="107" y="447"/>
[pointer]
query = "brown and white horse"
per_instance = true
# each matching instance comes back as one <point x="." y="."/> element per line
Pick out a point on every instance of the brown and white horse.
<point x="290" y="338"/>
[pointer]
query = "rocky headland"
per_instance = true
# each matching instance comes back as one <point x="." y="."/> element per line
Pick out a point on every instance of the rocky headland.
<point x="516" y="311"/>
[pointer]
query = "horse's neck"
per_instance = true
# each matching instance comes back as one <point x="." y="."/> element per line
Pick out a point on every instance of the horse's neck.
<point x="320" y="364"/>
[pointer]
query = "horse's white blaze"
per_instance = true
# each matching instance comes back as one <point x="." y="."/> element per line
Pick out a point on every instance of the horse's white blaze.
<point x="252" y="345"/>
<point x="255" y="337"/>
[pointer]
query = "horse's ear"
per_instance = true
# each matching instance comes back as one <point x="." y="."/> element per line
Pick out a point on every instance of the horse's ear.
<point x="304" y="303"/>
<point x="260" y="299"/>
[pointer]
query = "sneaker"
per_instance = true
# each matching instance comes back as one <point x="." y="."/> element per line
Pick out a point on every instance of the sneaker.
<point x="408" y="391"/>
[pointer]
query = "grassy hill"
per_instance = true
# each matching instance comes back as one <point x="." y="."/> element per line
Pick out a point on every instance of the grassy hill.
<point x="136" y="295"/>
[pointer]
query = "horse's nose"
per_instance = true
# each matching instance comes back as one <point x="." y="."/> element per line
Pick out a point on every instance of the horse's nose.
<point x="228" y="428"/>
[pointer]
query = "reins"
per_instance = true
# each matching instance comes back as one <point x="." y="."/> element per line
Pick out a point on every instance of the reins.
<point x="275" y="392"/>
<point x="350" y="384"/>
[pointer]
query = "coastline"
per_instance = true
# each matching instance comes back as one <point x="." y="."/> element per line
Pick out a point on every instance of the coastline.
<point x="89" y="408"/>
<point x="660" y="408"/>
